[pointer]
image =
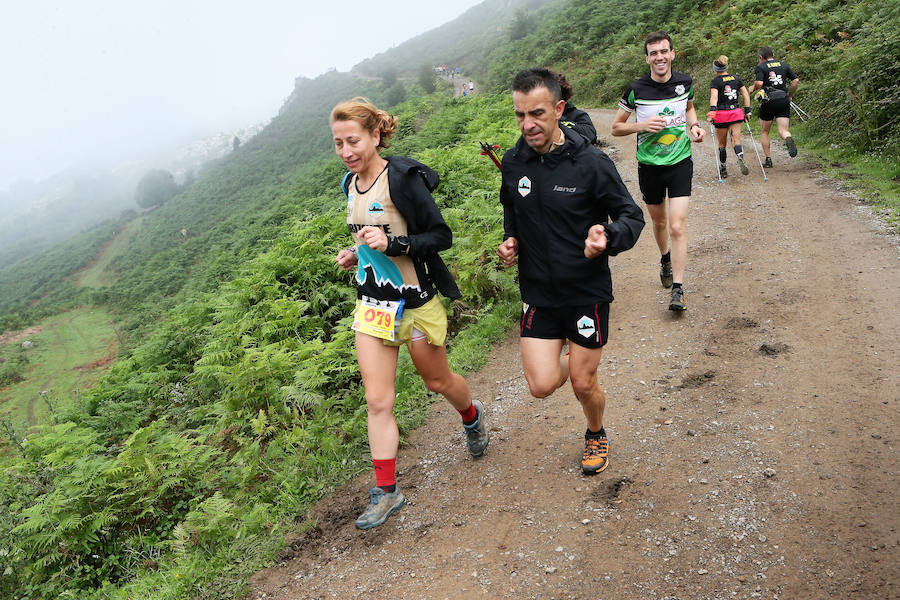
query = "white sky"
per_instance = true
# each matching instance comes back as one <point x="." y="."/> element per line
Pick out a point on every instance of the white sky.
<point x="104" y="80"/>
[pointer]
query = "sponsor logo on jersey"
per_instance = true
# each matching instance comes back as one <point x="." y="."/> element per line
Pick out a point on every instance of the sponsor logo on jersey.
<point x="667" y="139"/>
<point x="679" y="89"/>
<point x="667" y="112"/>
<point x="559" y="188"/>
<point x="376" y="209"/>
<point x="524" y="186"/>
<point x="586" y="326"/>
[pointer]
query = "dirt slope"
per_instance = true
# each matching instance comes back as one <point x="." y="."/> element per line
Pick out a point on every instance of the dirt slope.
<point x="735" y="472"/>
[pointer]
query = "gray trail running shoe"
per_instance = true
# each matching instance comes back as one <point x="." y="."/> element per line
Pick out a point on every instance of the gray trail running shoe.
<point x="677" y="302"/>
<point x="768" y="163"/>
<point x="723" y="172"/>
<point x="381" y="505"/>
<point x="791" y="146"/>
<point x="743" y="166"/>
<point x="477" y="436"/>
<point x="665" y="273"/>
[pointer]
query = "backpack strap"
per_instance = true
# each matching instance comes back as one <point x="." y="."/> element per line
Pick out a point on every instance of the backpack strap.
<point x="345" y="183"/>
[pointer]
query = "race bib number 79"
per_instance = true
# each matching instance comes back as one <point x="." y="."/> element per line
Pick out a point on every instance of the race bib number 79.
<point x="378" y="318"/>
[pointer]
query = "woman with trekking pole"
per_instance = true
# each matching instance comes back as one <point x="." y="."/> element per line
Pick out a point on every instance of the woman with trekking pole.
<point x="726" y="113"/>
<point x="397" y="231"/>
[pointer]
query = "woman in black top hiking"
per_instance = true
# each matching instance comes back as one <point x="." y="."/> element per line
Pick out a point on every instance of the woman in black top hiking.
<point x="726" y="113"/>
<point x="397" y="231"/>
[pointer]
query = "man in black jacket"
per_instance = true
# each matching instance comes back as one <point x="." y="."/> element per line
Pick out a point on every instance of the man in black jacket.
<point x="558" y="194"/>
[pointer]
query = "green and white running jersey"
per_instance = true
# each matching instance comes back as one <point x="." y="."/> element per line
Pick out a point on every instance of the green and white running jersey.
<point x="649" y="98"/>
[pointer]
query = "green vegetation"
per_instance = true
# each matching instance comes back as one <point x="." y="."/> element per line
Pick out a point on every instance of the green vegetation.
<point x="12" y="365"/>
<point x="237" y="402"/>
<point x="208" y="440"/>
<point x="97" y="274"/>
<point x="464" y="42"/>
<point x="874" y="177"/>
<point x="836" y="47"/>
<point x="39" y="286"/>
<point x="37" y="216"/>
<point x="67" y="349"/>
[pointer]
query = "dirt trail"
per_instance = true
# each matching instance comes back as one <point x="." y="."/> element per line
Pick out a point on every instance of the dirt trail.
<point x="735" y="472"/>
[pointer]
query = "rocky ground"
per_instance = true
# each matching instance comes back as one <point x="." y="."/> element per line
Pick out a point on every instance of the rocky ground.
<point x="753" y="439"/>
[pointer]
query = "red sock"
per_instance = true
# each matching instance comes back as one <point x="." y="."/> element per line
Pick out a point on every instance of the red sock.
<point x="470" y="414"/>
<point x="385" y="472"/>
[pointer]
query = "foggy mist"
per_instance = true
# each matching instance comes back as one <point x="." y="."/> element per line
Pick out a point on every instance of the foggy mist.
<point x="105" y="83"/>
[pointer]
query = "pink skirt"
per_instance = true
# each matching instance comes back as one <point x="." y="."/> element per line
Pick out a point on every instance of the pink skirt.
<point x="725" y="117"/>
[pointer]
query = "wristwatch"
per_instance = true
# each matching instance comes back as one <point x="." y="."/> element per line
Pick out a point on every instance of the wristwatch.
<point x="397" y="245"/>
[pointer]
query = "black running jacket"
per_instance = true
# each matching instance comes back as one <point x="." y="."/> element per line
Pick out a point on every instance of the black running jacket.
<point x="550" y="201"/>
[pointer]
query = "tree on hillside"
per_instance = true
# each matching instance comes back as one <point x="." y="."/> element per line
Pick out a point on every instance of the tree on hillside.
<point x="426" y="78"/>
<point x="389" y="77"/>
<point x="396" y="94"/>
<point x="235" y="143"/>
<point x="155" y="188"/>
<point x="521" y="26"/>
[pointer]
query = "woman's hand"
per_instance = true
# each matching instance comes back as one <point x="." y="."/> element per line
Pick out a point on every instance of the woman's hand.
<point x="373" y="237"/>
<point x="347" y="258"/>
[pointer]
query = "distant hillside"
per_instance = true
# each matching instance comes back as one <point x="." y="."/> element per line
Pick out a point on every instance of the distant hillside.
<point x="37" y="215"/>
<point x="463" y="42"/>
<point x="236" y="205"/>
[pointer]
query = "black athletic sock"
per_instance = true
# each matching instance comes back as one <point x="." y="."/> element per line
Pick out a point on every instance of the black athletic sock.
<point x="722" y="155"/>
<point x="389" y="489"/>
<point x="675" y="285"/>
<point x="739" y="150"/>
<point x="594" y="435"/>
<point x="667" y="257"/>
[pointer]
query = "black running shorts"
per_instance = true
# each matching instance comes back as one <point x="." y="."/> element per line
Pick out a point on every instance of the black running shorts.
<point x="775" y="109"/>
<point x="586" y="326"/>
<point x="658" y="181"/>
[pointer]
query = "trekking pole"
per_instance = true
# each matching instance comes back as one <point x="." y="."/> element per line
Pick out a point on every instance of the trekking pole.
<point x="712" y="135"/>
<point x="755" y="149"/>
<point x="800" y="112"/>
<point x="491" y="152"/>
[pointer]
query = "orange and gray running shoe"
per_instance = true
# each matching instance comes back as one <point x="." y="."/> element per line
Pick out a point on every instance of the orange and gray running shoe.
<point x="596" y="455"/>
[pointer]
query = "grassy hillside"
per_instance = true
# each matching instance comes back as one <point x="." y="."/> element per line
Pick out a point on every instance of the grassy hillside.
<point x="36" y="216"/>
<point x="233" y="210"/>
<point x="67" y="350"/>
<point x="463" y="42"/>
<point x="205" y="442"/>
<point x="836" y="47"/>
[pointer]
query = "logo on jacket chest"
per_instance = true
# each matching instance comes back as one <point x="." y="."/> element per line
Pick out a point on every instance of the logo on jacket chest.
<point x="524" y="186"/>
<point x="562" y="188"/>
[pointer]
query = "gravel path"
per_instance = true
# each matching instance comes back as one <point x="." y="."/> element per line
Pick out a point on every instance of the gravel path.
<point x="753" y="440"/>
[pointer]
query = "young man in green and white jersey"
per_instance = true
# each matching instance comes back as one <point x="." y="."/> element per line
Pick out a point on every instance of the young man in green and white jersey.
<point x="665" y="124"/>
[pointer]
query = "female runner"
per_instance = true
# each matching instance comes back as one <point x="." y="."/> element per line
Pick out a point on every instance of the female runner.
<point x="726" y="114"/>
<point x="398" y="231"/>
